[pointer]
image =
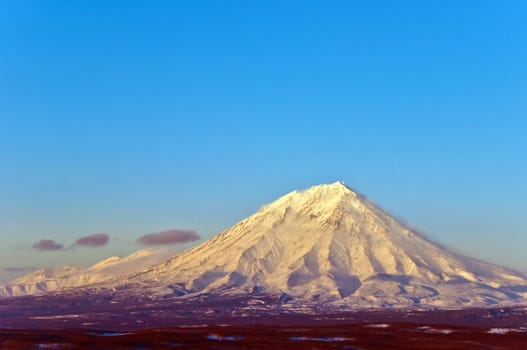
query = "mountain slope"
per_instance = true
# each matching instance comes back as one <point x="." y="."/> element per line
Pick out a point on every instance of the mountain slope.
<point x="330" y="244"/>
<point x="50" y="280"/>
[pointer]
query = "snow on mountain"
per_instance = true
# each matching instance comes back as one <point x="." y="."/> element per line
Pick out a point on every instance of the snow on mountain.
<point x="330" y="244"/>
<point x="49" y="280"/>
<point x="326" y="245"/>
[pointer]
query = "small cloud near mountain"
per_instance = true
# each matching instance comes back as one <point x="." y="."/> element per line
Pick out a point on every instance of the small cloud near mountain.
<point x="93" y="241"/>
<point x="169" y="237"/>
<point x="47" y="245"/>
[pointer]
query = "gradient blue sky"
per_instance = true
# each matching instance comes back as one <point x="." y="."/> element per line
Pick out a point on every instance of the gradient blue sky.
<point x="132" y="117"/>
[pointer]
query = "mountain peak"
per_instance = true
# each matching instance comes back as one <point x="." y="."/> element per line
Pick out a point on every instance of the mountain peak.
<point x="339" y="184"/>
<point x="335" y="187"/>
<point x="323" y="197"/>
<point x="326" y="196"/>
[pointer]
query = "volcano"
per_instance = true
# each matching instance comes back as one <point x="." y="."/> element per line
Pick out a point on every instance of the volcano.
<point x="326" y="245"/>
<point x="331" y="244"/>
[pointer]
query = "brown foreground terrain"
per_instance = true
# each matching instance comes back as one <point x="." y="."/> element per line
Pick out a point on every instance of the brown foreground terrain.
<point x="95" y="321"/>
<point x="351" y="336"/>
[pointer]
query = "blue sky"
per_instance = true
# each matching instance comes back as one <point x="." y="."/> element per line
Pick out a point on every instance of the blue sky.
<point x="131" y="117"/>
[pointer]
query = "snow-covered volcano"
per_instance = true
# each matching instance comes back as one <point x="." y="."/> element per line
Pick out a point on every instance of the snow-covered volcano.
<point x="326" y="245"/>
<point x="329" y="243"/>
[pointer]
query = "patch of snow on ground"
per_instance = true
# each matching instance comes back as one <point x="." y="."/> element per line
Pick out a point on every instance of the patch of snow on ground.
<point x="499" y="330"/>
<point x="111" y="334"/>
<point x="507" y="330"/>
<point x="321" y="339"/>
<point x="54" y="317"/>
<point x="217" y="337"/>
<point x="430" y="330"/>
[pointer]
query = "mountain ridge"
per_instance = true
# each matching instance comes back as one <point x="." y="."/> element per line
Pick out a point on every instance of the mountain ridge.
<point x="69" y="277"/>
<point x="327" y="245"/>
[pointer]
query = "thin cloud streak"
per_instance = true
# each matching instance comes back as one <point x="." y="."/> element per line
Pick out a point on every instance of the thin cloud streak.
<point x="169" y="237"/>
<point x="93" y="241"/>
<point x="47" y="245"/>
